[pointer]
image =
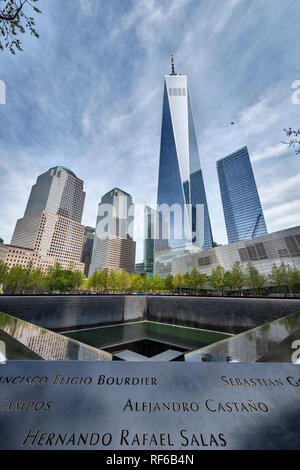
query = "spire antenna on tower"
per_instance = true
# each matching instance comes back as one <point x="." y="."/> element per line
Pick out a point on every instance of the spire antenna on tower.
<point x="172" y="65"/>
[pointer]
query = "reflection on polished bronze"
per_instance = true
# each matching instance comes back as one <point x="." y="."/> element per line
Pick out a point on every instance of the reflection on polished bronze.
<point x="45" y="344"/>
<point x="253" y="345"/>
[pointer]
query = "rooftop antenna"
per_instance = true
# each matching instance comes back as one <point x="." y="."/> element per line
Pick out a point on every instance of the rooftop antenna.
<point x="172" y="65"/>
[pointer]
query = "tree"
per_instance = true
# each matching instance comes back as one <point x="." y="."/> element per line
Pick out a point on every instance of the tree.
<point x="229" y="281"/>
<point x="254" y="279"/>
<point x="3" y="273"/>
<point x="36" y="279"/>
<point x="78" y="277"/>
<point x="103" y="279"/>
<point x="15" y="277"/>
<point x="55" y="278"/>
<point x="135" y="282"/>
<point x="196" y="280"/>
<point x="143" y="283"/>
<point x="14" y="20"/>
<point x="27" y="272"/>
<point x="168" y="282"/>
<point x="124" y="280"/>
<point x="93" y="280"/>
<point x="218" y="279"/>
<point x="284" y="275"/>
<point x="237" y="277"/>
<point x="157" y="283"/>
<point x="294" y="139"/>
<point x="186" y="280"/>
<point x="112" y="283"/>
<point x="178" y="281"/>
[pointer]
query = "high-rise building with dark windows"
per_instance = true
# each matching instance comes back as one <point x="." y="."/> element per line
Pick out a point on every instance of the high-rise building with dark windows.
<point x="243" y="212"/>
<point x="180" y="180"/>
<point x="87" y="248"/>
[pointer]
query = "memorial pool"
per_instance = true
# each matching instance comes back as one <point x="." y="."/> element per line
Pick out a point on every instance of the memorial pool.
<point x="146" y="337"/>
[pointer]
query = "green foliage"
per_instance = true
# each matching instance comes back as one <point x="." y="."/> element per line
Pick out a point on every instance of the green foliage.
<point x="157" y="284"/>
<point x="15" y="20"/>
<point x="36" y="280"/>
<point x="196" y="280"/>
<point x="20" y="279"/>
<point x="77" y="278"/>
<point x="124" y="281"/>
<point x="237" y="276"/>
<point x="112" y="283"/>
<point x="179" y="281"/>
<point x="284" y="275"/>
<point x="168" y="283"/>
<point x="63" y="280"/>
<point x="15" y="278"/>
<point x="3" y="271"/>
<point x="218" y="279"/>
<point x="254" y="279"/>
<point x="136" y="283"/>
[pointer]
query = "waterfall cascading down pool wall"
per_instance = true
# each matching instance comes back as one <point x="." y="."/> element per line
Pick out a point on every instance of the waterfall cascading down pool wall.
<point x="224" y="314"/>
<point x="178" y="323"/>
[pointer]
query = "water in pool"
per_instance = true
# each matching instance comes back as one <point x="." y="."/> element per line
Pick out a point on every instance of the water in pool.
<point x="146" y="338"/>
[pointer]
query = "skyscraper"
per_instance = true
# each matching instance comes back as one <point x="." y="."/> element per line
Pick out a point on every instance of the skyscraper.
<point x="87" y="248"/>
<point x="243" y="213"/>
<point x="180" y="180"/>
<point x="51" y="225"/>
<point x="149" y="228"/>
<point x="113" y="246"/>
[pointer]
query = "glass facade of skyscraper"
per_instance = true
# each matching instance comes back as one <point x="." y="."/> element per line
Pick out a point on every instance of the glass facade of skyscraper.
<point x="180" y="180"/>
<point x="243" y="212"/>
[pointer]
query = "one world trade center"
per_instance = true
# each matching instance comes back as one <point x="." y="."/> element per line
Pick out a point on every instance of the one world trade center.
<point x="180" y="180"/>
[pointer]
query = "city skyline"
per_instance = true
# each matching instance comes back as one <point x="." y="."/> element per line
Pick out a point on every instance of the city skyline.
<point x="75" y="110"/>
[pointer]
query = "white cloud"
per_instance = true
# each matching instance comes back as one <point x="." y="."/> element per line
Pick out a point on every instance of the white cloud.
<point x="269" y="152"/>
<point x="283" y="216"/>
<point x="281" y="190"/>
<point x="94" y="101"/>
<point x="263" y="114"/>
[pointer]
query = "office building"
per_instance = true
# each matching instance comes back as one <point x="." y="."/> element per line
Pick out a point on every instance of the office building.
<point x="113" y="246"/>
<point x="140" y="269"/>
<point x="51" y="226"/>
<point x="180" y="180"/>
<point x="87" y="249"/>
<point x="243" y="212"/>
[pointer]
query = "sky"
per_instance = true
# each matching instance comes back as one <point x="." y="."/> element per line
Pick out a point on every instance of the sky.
<point x="88" y="95"/>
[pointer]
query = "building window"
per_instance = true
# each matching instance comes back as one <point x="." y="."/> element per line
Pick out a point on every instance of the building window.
<point x="292" y="246"/>
<point x="204" y="261"/>
<point x="243" y="255"/>
<point x="177" y="92"/>
<point x="252" y="253"/>
<point x="261" y="251"/>
<point x="283" y="253"/>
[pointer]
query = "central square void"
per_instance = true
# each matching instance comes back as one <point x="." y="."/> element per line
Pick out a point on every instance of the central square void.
<point x="146" y="338"/>
<point x="145" y="347"/>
